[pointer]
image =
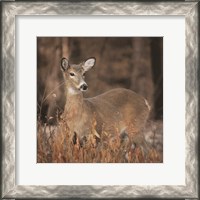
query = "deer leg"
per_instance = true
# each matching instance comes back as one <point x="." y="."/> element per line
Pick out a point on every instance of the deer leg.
<point x="137" y="139"/>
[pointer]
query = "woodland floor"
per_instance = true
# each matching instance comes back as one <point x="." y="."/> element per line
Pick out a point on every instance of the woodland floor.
<point x="54" y="145"/>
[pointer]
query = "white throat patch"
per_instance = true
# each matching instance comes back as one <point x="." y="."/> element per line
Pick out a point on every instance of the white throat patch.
<point x="72" y="91"/>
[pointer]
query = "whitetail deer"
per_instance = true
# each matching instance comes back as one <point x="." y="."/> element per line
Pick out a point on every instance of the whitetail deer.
<point x="118" y="110"/>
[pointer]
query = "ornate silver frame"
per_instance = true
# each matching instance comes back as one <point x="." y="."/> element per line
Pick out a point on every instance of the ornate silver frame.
<point x="10" y="10"/>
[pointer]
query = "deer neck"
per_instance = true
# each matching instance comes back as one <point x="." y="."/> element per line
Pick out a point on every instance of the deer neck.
<point x="74" y="104"/>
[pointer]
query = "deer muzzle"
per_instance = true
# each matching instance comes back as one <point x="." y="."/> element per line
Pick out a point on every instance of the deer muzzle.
<point x="84" y="87"/>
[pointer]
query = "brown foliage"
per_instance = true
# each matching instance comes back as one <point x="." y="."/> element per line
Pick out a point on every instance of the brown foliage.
<point x="55" y="145"/>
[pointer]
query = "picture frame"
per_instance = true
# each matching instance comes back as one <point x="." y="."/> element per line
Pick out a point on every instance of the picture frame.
<point x="9" y="12"/>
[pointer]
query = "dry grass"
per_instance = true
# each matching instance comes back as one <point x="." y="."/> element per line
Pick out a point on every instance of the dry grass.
<point x="55" y="145"/>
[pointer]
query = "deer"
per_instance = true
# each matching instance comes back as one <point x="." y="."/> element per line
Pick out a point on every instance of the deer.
<point x="117" y="109"/>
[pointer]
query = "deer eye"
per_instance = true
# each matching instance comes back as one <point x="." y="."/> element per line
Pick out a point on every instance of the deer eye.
<point x="71" y="74"/>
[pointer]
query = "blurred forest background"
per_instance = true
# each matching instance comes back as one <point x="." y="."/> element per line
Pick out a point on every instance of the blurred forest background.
<point x="135" y="63"/>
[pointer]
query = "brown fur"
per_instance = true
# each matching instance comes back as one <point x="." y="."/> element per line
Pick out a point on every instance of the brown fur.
<point x="116" y="111"/>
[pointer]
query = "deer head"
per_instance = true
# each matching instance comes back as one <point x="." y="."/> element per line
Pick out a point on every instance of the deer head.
<point x="74" y="75"/>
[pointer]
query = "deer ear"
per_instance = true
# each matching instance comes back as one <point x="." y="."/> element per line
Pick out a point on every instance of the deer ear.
<point x="64" y="64"/>
<point x="89" y="63"/>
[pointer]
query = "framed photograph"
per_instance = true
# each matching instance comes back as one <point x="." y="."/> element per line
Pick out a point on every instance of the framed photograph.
<point x="99" y="100"/>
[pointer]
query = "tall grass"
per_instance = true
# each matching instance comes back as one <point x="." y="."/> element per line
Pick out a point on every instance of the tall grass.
<point x="55" y="144"/>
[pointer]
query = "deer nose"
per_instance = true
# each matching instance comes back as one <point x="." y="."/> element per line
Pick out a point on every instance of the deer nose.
<point x="84" y="87"/>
